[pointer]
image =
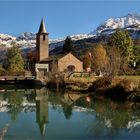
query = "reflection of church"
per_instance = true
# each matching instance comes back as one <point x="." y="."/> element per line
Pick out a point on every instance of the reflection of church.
<point x="41" y="110"/>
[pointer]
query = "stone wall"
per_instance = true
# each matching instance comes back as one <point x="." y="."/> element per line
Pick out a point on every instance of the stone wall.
<point x="42" y="47"/>
<point x="42" y="72"/>
<point x="68" y="60"/>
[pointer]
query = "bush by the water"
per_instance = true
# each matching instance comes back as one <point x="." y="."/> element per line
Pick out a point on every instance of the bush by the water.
<point x="116" y="93"/>
<point x="118" y="90"/>
<point x="100" y="84"/>
<point x="56" y="79"/>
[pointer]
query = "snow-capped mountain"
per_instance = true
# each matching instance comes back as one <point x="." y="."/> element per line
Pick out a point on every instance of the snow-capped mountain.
<point x="54" y="43"/>
<point x="27" y="40"/>
<point x="6" y="37"/>
<point x="130" y="22"/>
<point x="26" y="36"/>
<point x="5" y="40"/>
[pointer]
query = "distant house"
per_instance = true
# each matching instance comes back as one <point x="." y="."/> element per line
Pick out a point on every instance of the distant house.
<point x="55" y="63"/>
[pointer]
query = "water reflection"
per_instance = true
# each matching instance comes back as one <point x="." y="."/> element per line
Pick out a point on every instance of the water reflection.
<point x="42" y="109"/>
<point x="69" y="115"/>
<point x="14" y="101"/>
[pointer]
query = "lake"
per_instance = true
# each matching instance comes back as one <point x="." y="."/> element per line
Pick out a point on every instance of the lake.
<point x="49" y="114"/>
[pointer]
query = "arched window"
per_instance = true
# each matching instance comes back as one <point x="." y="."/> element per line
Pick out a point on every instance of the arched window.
<point x="44" y="37"/>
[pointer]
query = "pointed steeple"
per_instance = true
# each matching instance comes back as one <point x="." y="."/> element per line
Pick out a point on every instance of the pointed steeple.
<point x="42" y="28"/>
<point x="42" y="127"/>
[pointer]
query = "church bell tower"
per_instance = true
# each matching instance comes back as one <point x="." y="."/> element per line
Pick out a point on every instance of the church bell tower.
<point x="42" y="47"/>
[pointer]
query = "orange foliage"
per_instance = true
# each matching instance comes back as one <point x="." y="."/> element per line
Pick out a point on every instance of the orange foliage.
<point x="100" y="58"/>
<point x="86" y="60"/>
<point x="31" y="56"/>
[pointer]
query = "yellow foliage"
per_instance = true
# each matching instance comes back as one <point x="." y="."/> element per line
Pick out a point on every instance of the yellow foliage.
<point x="100" y="58"/>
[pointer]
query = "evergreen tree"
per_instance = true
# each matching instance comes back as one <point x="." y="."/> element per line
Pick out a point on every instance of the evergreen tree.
<point x="122" y="40"/>
<point x="68" y="45"/>
<point x="14" y="60"/>
<point x="137" y="52"/>
<point x="131" y="56"/>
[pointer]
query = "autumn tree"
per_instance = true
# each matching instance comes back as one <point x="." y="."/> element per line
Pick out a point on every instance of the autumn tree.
<point x="114" y="56"/>
<point x="2" y="70"/>
<point x="100" y="60"/>
<point x="31" y="56"/>
<point x="30" y="60"/>
<point x="14" y="60"/>
<point x="68" y="45"/>
<point x="87" y="60"/>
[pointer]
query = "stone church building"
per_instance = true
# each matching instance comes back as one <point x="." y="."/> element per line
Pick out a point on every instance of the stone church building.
<point x="54" y="63"/>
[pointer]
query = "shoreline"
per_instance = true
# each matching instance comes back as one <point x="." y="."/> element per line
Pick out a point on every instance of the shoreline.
<point x="117" y="88"/>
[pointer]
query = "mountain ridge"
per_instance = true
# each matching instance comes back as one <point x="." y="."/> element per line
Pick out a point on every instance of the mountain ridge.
<point x="124" y="22"/>
<point x="130" y="22"/>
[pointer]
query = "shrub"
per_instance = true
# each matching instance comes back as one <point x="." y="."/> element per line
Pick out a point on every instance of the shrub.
<point x="126" y="84"/>
<point x="100" y="84"/>
<point x="2" y="70"/>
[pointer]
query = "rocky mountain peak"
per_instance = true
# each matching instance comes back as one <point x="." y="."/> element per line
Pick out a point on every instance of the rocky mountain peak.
<point x="130" y="20"/>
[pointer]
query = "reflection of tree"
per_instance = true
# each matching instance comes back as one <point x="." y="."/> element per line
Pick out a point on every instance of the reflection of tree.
<point x="14" y="103"/>
<point x="111" y="115"/>
<point x="30" y="95"/>
<point x="82" y="102"/>
<point x="55" y="99"/>
<point x="115" y="120"/>
<point x="67" y="109"/>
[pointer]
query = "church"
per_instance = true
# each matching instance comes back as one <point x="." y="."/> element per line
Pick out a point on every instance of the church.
<point x="54" y="63"/>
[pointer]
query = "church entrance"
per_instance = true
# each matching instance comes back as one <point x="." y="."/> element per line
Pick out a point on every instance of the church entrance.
<point x="71" y="68"/>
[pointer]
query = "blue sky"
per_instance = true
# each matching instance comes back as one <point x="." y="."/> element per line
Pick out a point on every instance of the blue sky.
<point x="62" y="17"/>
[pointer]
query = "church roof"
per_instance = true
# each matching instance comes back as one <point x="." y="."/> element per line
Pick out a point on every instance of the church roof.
<point x="42" y="28"/>
<point x="54" y="57"/>
<point x="42" y="127"/>
<point x="57" y="57"/>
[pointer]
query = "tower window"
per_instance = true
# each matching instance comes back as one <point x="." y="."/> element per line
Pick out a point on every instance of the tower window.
<point x="44" y="37"/>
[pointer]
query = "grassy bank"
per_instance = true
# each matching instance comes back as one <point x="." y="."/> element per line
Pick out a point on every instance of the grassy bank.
<point x="134" y="79"/>
<point x="117" y="88"/>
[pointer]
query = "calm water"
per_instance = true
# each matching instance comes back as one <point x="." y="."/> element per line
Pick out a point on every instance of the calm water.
<point x="43" y="114"/>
